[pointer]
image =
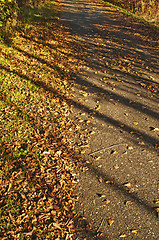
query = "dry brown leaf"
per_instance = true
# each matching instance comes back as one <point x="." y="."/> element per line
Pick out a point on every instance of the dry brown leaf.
<point x="131" y="190"/>
<point x="157" y="210"/>
<point x="100" y="179"/>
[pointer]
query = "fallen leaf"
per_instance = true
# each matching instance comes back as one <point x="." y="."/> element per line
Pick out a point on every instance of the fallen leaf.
<point x="100" y="166"/>
<point x="114" y="152"/>
<point x="127" y="203"/>
<point x="131" y="190"/>
<point x="97" y="107"/>
<point x="157" y="146"/>
<point x="106" y="201"/>
<point x="154" y="129"/>
<point x="156" y="200"/>
<point x="100" y="179"/>
<point x="125" y="152"/>
<point x="101" y="195"/>
<point x="56" y="225"/>
<point x="156" y="210"/>
<point x="128" y="185"/>
<point x="109" y="182"/>
<point x="110" y="222"/>
<point x="123" y="236"/>
<point x="130" y="148"/>
<point x="134" y="231"/>
<point x="141" y="143"/>
<point x="29" y="233"/>
<point x="83" y="152"/>
<point x="116" y="167"/>
<point x="91" y="132"/>
<point x="136" y="123"/>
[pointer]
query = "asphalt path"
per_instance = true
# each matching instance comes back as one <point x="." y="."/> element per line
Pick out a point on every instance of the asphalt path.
<point x="115" y="95"/>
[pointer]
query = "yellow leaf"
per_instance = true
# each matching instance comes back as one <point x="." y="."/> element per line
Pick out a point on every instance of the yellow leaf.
<point x="156" y="200"/>
<point x="10" y="186"/>
<point x="136" y="123"/>
<point x="128" y="203"/>
<point x="123" y="236"/>
<point x="110" y="222"/>
<point x="114" y="152"/>
<point x="155" y="129"/>
<point x="130" y="148"/>
<point x="109" y="182"/>
<point x="116" y="167"/>
<point x="128" y="185"/>
<point x="107" y="201"/>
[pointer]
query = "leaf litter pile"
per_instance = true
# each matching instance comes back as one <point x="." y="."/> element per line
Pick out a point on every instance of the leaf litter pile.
<point x="37" y="153"/>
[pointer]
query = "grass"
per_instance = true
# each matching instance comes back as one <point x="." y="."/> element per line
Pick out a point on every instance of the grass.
<point x="44" y="14"/>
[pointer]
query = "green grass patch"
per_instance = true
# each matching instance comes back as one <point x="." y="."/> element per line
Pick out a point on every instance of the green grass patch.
<point x="45" y="13"/>
<point x="31" y="17"/>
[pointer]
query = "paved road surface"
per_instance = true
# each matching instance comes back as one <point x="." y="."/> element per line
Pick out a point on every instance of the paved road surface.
<point x="117" y="101"/>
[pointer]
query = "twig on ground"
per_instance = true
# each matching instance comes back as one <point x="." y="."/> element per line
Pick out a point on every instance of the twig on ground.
<point x="100" y="225"/>
<point x="107" y="148"/>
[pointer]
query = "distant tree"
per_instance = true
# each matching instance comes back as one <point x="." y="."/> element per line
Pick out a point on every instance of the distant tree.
<point x="149" y="9"/>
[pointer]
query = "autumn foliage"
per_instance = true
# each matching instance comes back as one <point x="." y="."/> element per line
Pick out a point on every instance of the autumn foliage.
<point x="37" y="153"/>
<point x="148" y="9"/>
<point x="11" y="11"/>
